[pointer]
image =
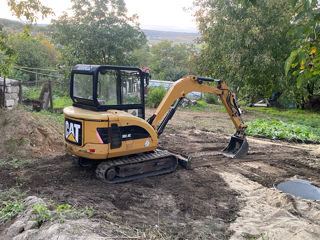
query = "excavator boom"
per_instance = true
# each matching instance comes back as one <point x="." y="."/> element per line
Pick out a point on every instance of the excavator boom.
<point x="238" y="145"/>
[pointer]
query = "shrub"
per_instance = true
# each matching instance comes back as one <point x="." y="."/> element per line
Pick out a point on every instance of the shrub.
<point x="211" y="98"/>
<point x="42" y="213"/>
<point x="155" y="96"/>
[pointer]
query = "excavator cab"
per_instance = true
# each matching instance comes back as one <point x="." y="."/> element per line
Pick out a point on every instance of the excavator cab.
<point x="102" y="88"/>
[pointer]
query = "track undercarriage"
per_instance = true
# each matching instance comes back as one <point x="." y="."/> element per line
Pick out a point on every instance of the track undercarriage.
<point x="128" y="168"/>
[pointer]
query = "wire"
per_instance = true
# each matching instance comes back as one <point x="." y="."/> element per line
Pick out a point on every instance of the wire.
<point x="41" y="69"/>
<point x="43" y="74"/>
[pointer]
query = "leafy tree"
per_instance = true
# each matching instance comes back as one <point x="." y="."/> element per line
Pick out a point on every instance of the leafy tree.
<point x="7" y="54"/>
<point x="29" y="9"/>
<point x="99" y="32"/>
<point x="304" y="60"/>
<point x="34" y="52"/>
<point x="245" y="42"/>
<point x="171" y="61"/>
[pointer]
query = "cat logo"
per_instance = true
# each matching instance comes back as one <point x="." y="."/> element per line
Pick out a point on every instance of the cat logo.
<point x="73" y="131"/>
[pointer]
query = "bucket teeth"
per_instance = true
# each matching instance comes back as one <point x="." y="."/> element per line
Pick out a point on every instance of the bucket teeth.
<point x="237" y="147"/>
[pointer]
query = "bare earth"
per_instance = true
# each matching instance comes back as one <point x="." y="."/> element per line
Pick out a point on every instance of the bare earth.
<point x="219" y="198"/>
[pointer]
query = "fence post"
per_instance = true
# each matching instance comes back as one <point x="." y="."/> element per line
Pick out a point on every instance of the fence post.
<point x="50" y="96"/>
<point x="37" y="78"/>
<point x="4" y="92"/>
<point x="20" y="92"/>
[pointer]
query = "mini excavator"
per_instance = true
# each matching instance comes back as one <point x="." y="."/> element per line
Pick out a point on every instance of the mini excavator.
<point x="106" y="127"/>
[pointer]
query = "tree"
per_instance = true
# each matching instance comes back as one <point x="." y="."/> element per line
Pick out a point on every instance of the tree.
<point x="171" y="61"/>
<point x="29" y="9"/>
<point x="304" y="60"/>
<point x="245" y="44"/>
<point x="34" y="52"/>
<point x="7" y="54"/>
<point x="99" y="32"/>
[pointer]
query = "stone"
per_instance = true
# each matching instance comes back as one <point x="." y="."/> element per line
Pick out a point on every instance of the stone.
<point x="15" y="229"/>
<point x="9" y="103"/>
<point x="12" y="96"/>
<point x="31" y="225"/>
<point x="12" y="90"/>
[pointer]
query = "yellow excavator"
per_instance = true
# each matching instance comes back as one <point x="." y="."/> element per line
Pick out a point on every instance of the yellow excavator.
<point x="106" y="127"/>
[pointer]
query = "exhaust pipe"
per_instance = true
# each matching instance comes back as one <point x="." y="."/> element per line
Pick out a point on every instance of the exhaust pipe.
<point x="236" y="148"/>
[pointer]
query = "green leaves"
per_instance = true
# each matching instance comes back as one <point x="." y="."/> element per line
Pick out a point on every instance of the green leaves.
<point x="281" y="130"/>
<point x="171" y="61"/>
<point x="290" y="60"/>
<point x="99" y="32"/>
<point x="29" y="9"/>
<point x="7" y="54"/>
<point x="10" y="209"/>
<point x="245" y="43"/>
<point x="293" y="2"/>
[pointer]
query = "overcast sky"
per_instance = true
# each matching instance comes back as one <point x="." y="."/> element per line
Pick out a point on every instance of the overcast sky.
<point x="153" y="14"/>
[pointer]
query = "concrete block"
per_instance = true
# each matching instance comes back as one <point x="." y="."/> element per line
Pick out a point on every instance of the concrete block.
<point x="9" y="103"/>
<point x="12" y="96"/>
<point x="12" y="89"/>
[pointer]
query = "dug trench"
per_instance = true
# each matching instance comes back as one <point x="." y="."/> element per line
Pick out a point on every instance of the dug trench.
<point x="219" y="198"/>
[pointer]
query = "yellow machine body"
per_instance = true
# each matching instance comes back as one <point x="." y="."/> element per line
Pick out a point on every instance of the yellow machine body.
<point x="91" y="144"/>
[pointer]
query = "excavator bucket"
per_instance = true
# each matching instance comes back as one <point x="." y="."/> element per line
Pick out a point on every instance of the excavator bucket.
<point x="236" y="148"/>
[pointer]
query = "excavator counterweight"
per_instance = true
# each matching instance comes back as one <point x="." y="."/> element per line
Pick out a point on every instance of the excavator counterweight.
<point x="106" y="125"/>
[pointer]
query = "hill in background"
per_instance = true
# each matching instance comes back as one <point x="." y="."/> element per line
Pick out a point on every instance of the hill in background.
<point x="153" y="36"/>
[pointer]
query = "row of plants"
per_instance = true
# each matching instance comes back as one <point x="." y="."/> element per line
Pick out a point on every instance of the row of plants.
<point x="284" y="131"/>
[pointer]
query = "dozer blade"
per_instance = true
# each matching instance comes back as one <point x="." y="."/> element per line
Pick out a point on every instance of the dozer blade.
<point x="236" y="148"/>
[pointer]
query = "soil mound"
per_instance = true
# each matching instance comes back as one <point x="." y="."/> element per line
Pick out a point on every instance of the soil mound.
<point x="28" y="136"/>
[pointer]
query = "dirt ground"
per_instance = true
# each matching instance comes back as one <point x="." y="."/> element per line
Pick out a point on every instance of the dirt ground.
<point x="219" y="198"/>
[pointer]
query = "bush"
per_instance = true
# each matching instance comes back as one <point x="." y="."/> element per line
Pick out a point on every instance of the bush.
<point x="211" y="98"/>
<point x="155" y="96"/>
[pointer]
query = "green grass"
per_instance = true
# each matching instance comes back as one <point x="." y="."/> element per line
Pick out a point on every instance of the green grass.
<point x="61" y="102"/>
<point x="204" y="106"/>
<point x="60" y="99"/>
<point x="56" y="118"/>
<point x="31" y="92"/>
<point x="296" y="116"/>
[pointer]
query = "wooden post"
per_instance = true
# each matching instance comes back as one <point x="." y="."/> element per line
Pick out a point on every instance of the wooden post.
<point x="4" y="92"/>
<point x="36" y="78"/>
<point x="20" y="92"/>
<point x="50" y="96"/>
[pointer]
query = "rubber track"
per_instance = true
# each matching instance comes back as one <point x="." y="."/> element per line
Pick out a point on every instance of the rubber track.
<point x="139" y="158"/>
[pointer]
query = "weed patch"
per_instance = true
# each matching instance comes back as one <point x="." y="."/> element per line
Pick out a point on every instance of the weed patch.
<point x="42" y="213"/>
<point x="14" y="162"/>
<point x="11" y="203"/>
<point x="10" y="209"/>
<point x="12" y="143"/>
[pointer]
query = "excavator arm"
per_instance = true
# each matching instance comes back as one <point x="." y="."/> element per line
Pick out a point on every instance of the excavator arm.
<point x="238" y="145"/>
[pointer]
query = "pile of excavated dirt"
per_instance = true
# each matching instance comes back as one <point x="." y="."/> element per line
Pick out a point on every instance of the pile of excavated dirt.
<point x="220" y="198"/>
<point x="25" y="135"/>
